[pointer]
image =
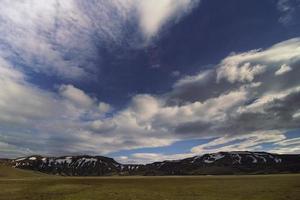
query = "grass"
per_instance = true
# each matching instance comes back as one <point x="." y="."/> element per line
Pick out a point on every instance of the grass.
<point x="38" y="186"/>
<point x="13" y="173"/>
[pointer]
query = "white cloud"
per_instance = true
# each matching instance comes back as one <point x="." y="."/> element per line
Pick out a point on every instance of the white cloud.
<point x="76" y="95"/>
<point x="283" y="69"/>
<point x="104" y="107"/>
<point x="144" y="107"/>
<point x="245" y="66"/>
<point x="244" y="73"/>
<point x="240" y="143"/>
<point x="103" y="126"/>
<point x="286" y="150"/>
<point x="155" y="157"/>
<point x="201" y="77"/>
<point x="289" y="142"/>
<point x="286" y="51"/>
<point x="287" y="146"/>
<point x="296" y="114"/>
<point x="8" y="72"/>
<point x="155" y="13"/>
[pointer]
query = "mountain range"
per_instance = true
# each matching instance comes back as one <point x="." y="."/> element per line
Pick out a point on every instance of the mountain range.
<point x="221" y="163"/>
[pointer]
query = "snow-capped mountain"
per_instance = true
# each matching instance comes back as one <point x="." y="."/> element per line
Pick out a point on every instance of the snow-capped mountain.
<point x="216" y="163"/>
<point x="75" y="165"/>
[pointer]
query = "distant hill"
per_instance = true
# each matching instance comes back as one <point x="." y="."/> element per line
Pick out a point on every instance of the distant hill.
<point x="13" y="173"/>
<point x="242" y="162"/>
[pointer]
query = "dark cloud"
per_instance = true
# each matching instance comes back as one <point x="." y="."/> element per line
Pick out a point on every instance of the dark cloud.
<point x="275" y="115"/>
<point x="272" y="98"/>
<point x="195" y="128"/>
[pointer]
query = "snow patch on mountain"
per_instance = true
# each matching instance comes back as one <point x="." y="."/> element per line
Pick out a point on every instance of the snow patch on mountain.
<point x="213" y="157"/>
<point x="32" y="158"/>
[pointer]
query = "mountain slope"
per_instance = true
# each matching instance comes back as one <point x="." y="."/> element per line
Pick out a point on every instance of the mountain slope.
<point x="215" y="163"/>
<point x="13" y="173"/>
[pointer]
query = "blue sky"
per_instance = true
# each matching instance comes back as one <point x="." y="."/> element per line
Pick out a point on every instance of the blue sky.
<point x="147" y="80"/>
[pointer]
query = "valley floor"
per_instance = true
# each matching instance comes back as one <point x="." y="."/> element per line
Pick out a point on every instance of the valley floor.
<point x="255" y="187"/>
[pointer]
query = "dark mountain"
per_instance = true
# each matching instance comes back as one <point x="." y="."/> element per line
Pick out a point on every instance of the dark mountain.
<point x="207" y="164"/>
<point x="5" y="161"/>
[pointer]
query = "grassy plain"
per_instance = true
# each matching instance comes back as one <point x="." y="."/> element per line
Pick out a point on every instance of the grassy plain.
<point x="21" y="185"/>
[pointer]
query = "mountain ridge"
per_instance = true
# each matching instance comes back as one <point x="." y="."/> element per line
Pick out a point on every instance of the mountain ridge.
<point x="235" y="162"/>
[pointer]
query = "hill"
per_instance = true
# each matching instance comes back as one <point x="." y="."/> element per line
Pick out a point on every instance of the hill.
<point x="208" y="164"/>
<point x="9" y="172"/>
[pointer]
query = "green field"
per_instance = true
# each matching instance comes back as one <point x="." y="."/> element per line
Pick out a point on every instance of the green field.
<point x="20" y="184"/>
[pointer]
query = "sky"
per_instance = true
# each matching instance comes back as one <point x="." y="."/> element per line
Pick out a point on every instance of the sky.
<point x="149" y="80"/>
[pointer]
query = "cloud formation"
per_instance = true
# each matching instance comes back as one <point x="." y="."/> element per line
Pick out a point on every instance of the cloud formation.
<point x="249" y="98"/>
<point x="283" y="69"/>
<point x="62" y="38"/>
<point x="289" y="12"/>
<point x="67" y="121"/>
<point x="252" y="100"/>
